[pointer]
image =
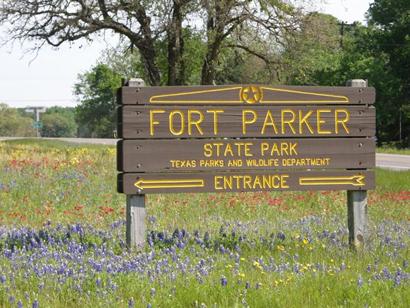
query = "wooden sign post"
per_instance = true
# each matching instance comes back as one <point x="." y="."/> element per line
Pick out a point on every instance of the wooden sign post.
<point x="244" y="138"/>
<point x="135" y="212"/>
<point x="357" y="200"/>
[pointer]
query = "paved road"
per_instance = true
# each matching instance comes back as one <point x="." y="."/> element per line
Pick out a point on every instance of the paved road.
<point x="385" y="161"/>
<point x="393" y="161"/>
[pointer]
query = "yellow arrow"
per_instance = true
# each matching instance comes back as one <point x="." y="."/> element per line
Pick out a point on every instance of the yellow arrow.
<point x="169" y="183"/>
<point x="355" y="180"/>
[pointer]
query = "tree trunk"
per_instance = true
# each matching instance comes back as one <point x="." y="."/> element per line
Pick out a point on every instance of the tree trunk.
<point x="145" y="44"/>
<point x="208" y="71"/>
<point x="208" y="67"/>
<point x="148" y="58"/>
<point x="217" y="12"/>
<point x="176" y="65"/>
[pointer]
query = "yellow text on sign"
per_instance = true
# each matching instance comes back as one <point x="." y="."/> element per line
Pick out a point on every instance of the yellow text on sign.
<point x="253" y="182"/>
<point x="249" y="149"/>
<point x="285" y="121"/>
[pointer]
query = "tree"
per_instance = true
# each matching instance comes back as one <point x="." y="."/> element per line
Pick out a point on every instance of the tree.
<point x="313" y="55"/>
<point x="96" y="92"/>
<point x="12" y="124"/>
<point x="145" y="24"/>
<point x="391" y="22"/>
<point x="58" y="122"/>
<point x="127" y="62"/>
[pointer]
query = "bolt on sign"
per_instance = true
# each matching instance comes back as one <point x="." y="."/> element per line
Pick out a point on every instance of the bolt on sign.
<point x="245" y="138"/>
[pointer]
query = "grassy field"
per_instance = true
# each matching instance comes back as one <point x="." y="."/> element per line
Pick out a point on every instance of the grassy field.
<point x="391" y="150"/>
<point x="62" y="241"/>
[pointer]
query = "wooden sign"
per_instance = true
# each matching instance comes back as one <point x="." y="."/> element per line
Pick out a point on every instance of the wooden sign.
<point x="245" y="95"/>
<point x="245" y="138"/>
<point x="227" y="154"/>
<point x="235" y="122"/>
<point x="148" y="183"/>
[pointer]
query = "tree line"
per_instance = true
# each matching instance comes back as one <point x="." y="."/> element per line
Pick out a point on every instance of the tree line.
<point x="55" y="122"/>
<point x="186" y="42"/>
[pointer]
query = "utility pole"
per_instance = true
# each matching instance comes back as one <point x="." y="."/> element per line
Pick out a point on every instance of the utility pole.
<point x="342" y="30"/>
<point x="37" y="110"/>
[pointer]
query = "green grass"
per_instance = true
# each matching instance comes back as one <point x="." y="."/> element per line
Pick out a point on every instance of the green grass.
<point x="310" y="266"/>
<point x="391" y="150"/>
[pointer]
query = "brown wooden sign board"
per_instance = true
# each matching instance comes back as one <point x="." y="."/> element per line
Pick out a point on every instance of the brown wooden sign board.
<point x="238" y="154"/>
<point x="140" y="122"/>
<point x="245" y="138"/>
<point x="151" y="183"/>
<point x="245" y="95"/>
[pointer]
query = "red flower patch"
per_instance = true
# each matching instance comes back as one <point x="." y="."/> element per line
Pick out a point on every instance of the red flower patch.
<point x="78" y="207"/>
<point x="275" y="201"/>
<point x="398" y="196"/>
<point x="106" y="210"/>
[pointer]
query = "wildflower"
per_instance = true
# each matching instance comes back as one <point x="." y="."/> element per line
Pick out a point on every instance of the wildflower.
<point x="224" y="281"/>
<point x="397" y="280"/>
<point x="280" y="247"/>
<point x="131" y="303"/>
<point x="281" y="236"/>
<point x="258" y="265"/>
<point x="35" y="304"/>
<point x="360" y="281"/>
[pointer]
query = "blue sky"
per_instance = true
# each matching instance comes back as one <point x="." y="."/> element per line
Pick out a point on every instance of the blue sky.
<point x="48" y="78"/>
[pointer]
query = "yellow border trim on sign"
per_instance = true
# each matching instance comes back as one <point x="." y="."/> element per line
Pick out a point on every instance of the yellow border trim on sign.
<point x="157" y="98"/>
<point x="341" y="98"/>
<point x="162" y="99"/>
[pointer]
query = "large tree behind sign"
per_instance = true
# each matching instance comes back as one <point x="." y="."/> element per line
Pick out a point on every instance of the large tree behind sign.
<point x="96" y="115"/>
<point x="144" y="23"/>
<point x="391" y="21"/>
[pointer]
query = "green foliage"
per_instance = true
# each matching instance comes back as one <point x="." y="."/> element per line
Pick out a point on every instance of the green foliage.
<point x="96" y="92"/>
<point x="193" y="56"/>
<point x="378" y="53"/>
<point x="13" y="124"/>
<point x="311" y="57"/>
<point x="124" y="61"/>
<point x="194" y="52"/>
<point x="391" y="22"/>
<point x="59" y="122"/>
